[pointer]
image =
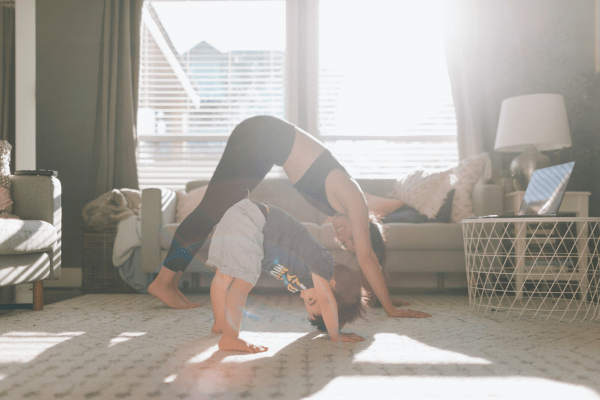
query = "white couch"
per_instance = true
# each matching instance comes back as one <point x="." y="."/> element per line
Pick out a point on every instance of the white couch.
<point x="426" y="247"/>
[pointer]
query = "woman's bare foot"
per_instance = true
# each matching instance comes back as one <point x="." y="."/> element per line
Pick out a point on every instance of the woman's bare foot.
<point x="164" y="289"/>
<point x="217" y="328"/>
<point x="230" y="344"/>
<point x="182" y="297"/>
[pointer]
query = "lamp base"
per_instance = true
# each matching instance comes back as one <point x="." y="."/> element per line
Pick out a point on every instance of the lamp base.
<point x="523" y="166"/>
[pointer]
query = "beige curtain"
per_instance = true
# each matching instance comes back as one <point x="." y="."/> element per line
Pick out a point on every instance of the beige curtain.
<point x="485" y="67"/>
<point x="7" y="76"/>
<point x="114" y="164"/>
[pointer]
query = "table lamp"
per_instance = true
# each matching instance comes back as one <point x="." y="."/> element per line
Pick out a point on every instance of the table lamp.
<point x="530" y="124"/>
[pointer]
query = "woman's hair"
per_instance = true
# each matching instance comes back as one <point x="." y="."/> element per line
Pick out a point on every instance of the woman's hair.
<point x="377" y="238"/>
<point x="376" y="232"/>
<point x="351" y="298"/>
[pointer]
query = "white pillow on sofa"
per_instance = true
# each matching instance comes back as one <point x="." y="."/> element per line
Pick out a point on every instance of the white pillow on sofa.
<point x="468" y="173"/>
<point x="427" y="192"/>
<point x="424" y="192"/>
<point x="187" y="202"/>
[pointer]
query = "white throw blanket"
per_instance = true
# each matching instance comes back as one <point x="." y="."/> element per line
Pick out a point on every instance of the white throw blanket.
<point x="129" y="236"/>
<point x="127" y="254"/>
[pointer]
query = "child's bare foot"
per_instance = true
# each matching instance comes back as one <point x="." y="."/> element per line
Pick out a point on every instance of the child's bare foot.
<point x="217" y="328"/>
<point x="229" y="344"/>
<point x="163" y="289"/>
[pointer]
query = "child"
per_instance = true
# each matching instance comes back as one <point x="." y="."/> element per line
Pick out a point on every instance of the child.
<point x="254" y="237"/>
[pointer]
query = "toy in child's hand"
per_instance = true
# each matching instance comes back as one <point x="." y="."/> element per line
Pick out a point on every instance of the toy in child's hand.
<point x="44" y="172"/>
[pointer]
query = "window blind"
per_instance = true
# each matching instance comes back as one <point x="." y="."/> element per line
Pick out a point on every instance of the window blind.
<point x="384" y="103"/>
<point x="190" y="101"/>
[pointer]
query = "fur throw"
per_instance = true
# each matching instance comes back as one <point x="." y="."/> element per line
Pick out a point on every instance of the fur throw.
<point x="5" y="186"/>
<point x="111" y="207"/>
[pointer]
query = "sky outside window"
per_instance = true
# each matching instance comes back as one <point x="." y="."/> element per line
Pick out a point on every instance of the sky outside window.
<point x="225" y="25"/>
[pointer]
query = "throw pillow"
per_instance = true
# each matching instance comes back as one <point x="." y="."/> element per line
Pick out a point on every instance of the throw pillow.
<point x="187" y="202"/>
<point x="466" y="175"/>
<point x="5" y="200"/>
<point x="409" y="214"/>
<point x="424" y="192"/>
<point x="5" y="149"/>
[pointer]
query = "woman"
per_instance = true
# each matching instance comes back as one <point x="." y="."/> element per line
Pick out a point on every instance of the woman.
<point x="255" y="145"/>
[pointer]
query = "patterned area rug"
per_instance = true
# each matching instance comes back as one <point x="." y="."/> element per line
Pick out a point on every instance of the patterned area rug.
<point x="133" y="347"/>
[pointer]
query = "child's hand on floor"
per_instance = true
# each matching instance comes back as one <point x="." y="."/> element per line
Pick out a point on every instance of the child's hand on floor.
<point x="406" y="313"/>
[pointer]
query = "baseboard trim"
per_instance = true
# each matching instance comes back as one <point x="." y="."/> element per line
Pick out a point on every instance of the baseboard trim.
<point x="69" y="278"/>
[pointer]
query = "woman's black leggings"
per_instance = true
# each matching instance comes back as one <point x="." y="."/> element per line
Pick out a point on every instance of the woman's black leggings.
<point x="255" y="145"/>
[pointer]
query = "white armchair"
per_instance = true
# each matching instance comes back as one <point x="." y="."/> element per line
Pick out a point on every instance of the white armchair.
<point x="30" y="247"/>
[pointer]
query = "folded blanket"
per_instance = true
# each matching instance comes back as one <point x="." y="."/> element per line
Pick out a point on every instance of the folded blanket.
<point x="111" y="207"/>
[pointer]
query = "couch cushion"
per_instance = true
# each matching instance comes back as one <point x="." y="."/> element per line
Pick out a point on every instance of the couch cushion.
<point x="26" y="236"/>
<point x="166" y="235"/>
<point x="430" y="236"/>
<point x="405" y="236"/>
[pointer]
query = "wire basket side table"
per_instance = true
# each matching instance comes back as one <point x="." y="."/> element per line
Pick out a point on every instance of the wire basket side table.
<point x="545" y="268"/>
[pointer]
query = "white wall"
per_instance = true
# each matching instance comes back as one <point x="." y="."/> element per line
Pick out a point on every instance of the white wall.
<point x="25" y="82"/>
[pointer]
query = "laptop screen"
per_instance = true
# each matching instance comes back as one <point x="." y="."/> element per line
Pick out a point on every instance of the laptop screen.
<point x="546" y="190"/>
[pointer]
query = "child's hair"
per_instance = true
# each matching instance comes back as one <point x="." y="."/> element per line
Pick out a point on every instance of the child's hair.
<point x="350" y="296"/>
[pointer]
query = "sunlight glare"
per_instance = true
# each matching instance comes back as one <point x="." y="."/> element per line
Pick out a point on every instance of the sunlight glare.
<point x="275" y="341"/>
<point x="390" y="60"/>
<point x="419" y="387"/>
<point x="391" y="348"/>
<point x="219" y="24"/>
<point x="23" y="347"/>
<point x="205" y="355"/>
<point x="125" y="336"/>
<point x="170" y="378"/>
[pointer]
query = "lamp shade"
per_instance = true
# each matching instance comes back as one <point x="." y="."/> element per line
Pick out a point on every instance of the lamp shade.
<point x="538" y="120"/>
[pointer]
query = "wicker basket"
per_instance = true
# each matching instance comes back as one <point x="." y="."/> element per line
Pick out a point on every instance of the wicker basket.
<point x="99" y="275"/>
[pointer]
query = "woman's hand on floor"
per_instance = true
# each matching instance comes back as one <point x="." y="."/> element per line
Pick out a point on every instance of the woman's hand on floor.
<point x="374" y="303"/>
<point x="406" y="313"/>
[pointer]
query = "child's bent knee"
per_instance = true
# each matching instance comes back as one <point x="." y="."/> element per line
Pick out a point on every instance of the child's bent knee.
<point x="223" y="278"/>
<point x="241" y="285"/>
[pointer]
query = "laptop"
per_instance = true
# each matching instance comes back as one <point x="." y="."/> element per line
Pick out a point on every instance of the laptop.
<point x="544" y="193"/>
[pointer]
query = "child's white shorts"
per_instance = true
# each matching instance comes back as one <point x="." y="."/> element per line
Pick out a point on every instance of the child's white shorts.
<point x="236" y="248"/>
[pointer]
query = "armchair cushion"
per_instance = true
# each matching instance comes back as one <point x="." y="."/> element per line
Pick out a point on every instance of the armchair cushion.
<point x="26" y="236"/>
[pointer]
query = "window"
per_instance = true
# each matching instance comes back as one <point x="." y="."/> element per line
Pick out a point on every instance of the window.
<point x="383" y="103"/>
<point x="204" y="67"/>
